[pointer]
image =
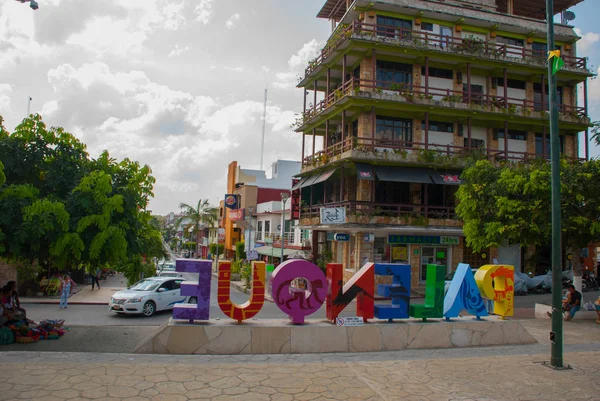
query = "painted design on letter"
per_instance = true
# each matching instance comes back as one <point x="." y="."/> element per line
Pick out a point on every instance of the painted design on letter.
<point x="463" y="293"/>
<point x="361" y="286"/>
<point x="434" y="294"/>
<point x="497" y="282"/>
<point x="295" y="302"/>
<point x="200" y="290"/>
<point x="257" y="298"/>
<point x="398" y="291"/>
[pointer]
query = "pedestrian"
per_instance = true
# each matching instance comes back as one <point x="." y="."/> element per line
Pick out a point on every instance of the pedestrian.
<point x="11" y="301"/>
<point x="95" y="278"/>
<point x="65" y="290"/>
<point x="572" y="304"/>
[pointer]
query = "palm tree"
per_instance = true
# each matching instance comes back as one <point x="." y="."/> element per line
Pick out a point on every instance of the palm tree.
<point x="202" y="214"/>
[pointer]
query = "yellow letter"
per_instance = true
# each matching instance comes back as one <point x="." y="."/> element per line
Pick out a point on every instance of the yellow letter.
<point x="497" y="282"/>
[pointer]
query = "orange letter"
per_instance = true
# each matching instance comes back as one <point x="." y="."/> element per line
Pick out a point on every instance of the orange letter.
<point x="257" y="297"/>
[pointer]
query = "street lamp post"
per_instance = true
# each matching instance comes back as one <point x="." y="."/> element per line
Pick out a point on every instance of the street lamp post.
<point x="250" y="247"/>
<point x="556" y="335"/>
<point x="284" y="197"/>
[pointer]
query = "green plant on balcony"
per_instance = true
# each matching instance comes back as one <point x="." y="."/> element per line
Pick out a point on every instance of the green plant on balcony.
<point x="323" y="159"/>
<point x="470" y="46"/>
<point x="378" y="211"/>
<point x="452" y="98"/>
<point x="426" y="155"/>
<point x="419" y="220"/>
<point x="298" y="122"/>
<point x="402" y="152"/>
<point x="512" y="108"/>
<point x="543" y="113"/>
<point x="418" y="42"/>
<point x="356" y="90"/>
<point x="337" y="95"/>
<point x="423" y="96"/>
<point x="379" y="91"/>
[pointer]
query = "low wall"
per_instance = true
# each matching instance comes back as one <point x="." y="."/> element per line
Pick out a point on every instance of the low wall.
<point x="542" y="309"/>
<point x="279" y="337"/>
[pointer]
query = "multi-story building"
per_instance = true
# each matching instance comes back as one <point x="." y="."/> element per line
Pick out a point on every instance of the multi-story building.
<point x="252" y="187"/>
<point x="401" y="94"/>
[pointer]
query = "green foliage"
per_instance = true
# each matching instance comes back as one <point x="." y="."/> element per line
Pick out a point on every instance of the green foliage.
<point x="240" y="254"/>
<point x="513" y="204"/>
<point x="595" y="135"/>
<point x="325" y="256"/>
<point x="200" y="216"/>
<point x="236" y="266"/>
<point x="63" y="210"/>
<point x="246" y="275"/>
<point x="213" y="249"/>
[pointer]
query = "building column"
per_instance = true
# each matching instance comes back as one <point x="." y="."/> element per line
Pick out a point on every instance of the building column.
<point x="469" y="145"/>
<point x="344" y="62"/>
<point x="303" y="141"/>
<point x="469" y="83"/>
<point x="373" y="127"/>
<point x="326" y="145"/>
<point x="510" y="6"/>
<point x="315" y="94"/>
<point x="313" y="144"/>
<point x="304" y="100"/>
<point x="506" y="139"/>
<point x="341" y="197"/>
<point x="327" y="90"/>
<point x="585" y="110"/>
<point x="426" y="130"/>
<point x="426" y="76"/>
<point x="374" y="76"/>
<point x="343" y="128"/>
<point x="543" y="92"/>
<point x="315" y="244"/>
<point x="505" y="88"/>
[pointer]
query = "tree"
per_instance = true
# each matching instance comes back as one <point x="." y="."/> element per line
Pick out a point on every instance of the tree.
<point x="203" y="214"/>
<point x="596" y="132"/>
<point x="512" y="203"/>
<point x="64" y="210"/>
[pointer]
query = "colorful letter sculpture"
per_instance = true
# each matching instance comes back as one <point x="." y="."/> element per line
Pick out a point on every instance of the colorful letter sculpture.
<point x="434" y="294"/>
<point x="257" y="298"/>
<point x="463" y="293"/>
<point x="361" y="286"/>
<point x="497" y="282"/>
<point x="298" y="303"/>
<point x="398" y="291"/>
<point x="200" y="290"/>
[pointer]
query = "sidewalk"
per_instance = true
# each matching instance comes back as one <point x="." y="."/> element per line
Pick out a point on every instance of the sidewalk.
<point x="439" y="375"/>
<point x="82" y="294"/>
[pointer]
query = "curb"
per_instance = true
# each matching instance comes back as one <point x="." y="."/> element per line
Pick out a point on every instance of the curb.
<point x="58" y="303"/>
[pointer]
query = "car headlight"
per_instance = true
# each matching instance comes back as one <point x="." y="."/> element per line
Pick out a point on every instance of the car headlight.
<point x="134" y="300"/>
<point x="112" y="300"/>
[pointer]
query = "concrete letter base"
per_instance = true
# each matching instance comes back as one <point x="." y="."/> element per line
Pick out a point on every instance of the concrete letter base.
<point x="279" y="337"/>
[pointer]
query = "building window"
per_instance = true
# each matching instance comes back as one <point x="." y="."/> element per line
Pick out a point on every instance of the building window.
<point x="537" y="97"/>
<point x="475" y="143"/>
<point x="541" y="49"/>
<point x="438" y="126"/>
<point x="539" y="143"/>
<point x="267" y="227"/>
<point x="394" y="129"/>
<point x="427" y="26"/>
<point x="510" y="41"/>
<point x="512" y="83"/>
<point x="476" y="94"/>
<point x="438" y="72"/>
<point x="512" y="134"/>
<point x="393" y="27"/>
<point x="390" y="73"/>
<point x="260" y="226"/>
<point x="355" y="128"/>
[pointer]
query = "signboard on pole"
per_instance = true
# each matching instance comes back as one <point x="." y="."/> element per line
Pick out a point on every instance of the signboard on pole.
<point x="236" y="215"/>
<point x="221" y="235"/>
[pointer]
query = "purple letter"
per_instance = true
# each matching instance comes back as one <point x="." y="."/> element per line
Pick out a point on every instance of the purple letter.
<point x="200" y="290"/>
<point x="298" y="302"/>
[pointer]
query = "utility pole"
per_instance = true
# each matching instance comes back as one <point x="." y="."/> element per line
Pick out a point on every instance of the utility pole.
<point x="29" y="99"/>
<point x="556" y="335"/>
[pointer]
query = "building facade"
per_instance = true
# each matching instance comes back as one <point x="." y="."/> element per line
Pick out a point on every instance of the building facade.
<point x="401" y="94"/>
<point x="252" y="187"/>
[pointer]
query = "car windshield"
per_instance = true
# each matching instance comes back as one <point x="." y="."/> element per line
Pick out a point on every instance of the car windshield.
<point x="145" y="285"/>
<point x="167" y="266"/>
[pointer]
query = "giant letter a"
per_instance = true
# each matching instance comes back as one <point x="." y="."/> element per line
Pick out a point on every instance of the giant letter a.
<point x="360" y="286"/>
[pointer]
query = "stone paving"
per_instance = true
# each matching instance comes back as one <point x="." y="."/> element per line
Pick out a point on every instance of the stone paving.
<point x="424" y="375"/>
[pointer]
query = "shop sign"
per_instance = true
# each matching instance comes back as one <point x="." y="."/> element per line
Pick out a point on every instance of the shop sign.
<point x="221" y="236"/>
<point x="231" y="201"/>
<point x="341" y="237"/>
<point x="333" y="215"/>
<point x="252" y="255"/>
<point x="236" y="215"/>
<point x="369" y="237"/>
<point x="422" y="240"/>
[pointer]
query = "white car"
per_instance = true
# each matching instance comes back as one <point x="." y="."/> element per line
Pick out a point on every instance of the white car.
<point x="148" y="296"/>
<point x="169" y="273"/>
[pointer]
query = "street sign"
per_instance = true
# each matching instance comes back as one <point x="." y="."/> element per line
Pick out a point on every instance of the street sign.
<point x="349" y="321"/>
<point x="333" y="215"/>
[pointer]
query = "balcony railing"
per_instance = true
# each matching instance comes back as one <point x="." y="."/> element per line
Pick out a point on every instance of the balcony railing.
<point x="426" y="40"/>
<point x="360" y="209"/>
<point x="275" y="238"/>
<point x="442" y="97"/>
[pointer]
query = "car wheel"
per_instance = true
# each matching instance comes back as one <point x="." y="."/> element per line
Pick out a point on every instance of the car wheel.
<point x="148" y="309"/>
<point x="193" y="300"/>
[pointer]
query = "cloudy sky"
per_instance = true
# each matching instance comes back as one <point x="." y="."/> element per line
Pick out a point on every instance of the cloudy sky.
<point x="177" y="84"/>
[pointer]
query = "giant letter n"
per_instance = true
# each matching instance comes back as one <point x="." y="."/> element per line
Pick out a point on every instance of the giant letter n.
<point x="360" y="286"/>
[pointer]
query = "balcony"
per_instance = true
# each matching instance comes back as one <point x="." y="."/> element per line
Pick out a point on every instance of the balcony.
<point x="275" y="238"/>
<point x="451" y="100"/>
<point x="385" y="213"/>
<point x="430" y="42"/>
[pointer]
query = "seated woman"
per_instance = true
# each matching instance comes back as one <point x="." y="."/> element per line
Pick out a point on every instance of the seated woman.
<point x="11" y="301"/>
<point x="6" y="315"/>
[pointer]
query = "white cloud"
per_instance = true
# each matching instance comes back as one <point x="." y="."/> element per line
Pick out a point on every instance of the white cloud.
<point x="230" y="23"/>
<point x="177" y="50"/>
<point x="5" y="93"/>
<point x="203" y="11"/>
<point x="297" y="64"/>
<point x="587" y="41"/>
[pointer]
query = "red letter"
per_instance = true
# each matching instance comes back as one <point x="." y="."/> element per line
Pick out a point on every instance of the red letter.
<point x="361" y="285"/>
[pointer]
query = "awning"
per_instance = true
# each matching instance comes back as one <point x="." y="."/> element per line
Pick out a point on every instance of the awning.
<point x="299" y="183"/>
<point x="315" y="179"/>
<point x="446" y="177"/>
<point x="364" y="171"/>
<point x="271" y="251"/>
<point x="403" y="174"/>
<point x="323" y="177"/>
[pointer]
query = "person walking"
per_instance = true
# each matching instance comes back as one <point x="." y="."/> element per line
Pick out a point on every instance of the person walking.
<point x="65" y="290"/>
<point x="95" y="278"/>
